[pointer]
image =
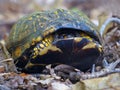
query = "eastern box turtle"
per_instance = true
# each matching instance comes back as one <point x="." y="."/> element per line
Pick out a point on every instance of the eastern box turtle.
<point x="54" y="37"/>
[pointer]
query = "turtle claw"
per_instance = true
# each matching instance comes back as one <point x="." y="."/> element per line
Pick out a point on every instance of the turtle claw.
<point x="105" y="63"/>
<point x="111" y="66"/>
<point x="108" y="69"/>
<point x="93" y="69"/>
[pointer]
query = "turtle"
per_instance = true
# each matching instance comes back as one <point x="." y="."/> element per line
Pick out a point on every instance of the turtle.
<point x="54" y="37"/>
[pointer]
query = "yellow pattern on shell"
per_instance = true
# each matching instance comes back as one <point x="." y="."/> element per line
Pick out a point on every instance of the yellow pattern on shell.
<point x="38" y="39"/>
<point x="42" y="25"/>
<point x="33" y="41"/>
<point x="34" y="26"/>
<point x="30" y="18"/>
<point x="48" y="31"/>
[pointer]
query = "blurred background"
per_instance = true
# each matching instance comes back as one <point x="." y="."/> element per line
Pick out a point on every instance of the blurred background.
<point x="12" y="10"/>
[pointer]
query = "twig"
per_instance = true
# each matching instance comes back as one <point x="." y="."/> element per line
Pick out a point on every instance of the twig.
<point x="6" y="60"/>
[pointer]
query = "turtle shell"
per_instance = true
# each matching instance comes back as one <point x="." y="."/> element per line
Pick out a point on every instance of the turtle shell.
<point x="32" y="28"/>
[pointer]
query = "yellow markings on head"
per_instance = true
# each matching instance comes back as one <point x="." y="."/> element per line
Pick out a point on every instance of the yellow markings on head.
<point x="89" y="45"/>
<point x="50" y="47"/>
<point x="17" y="52"/>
